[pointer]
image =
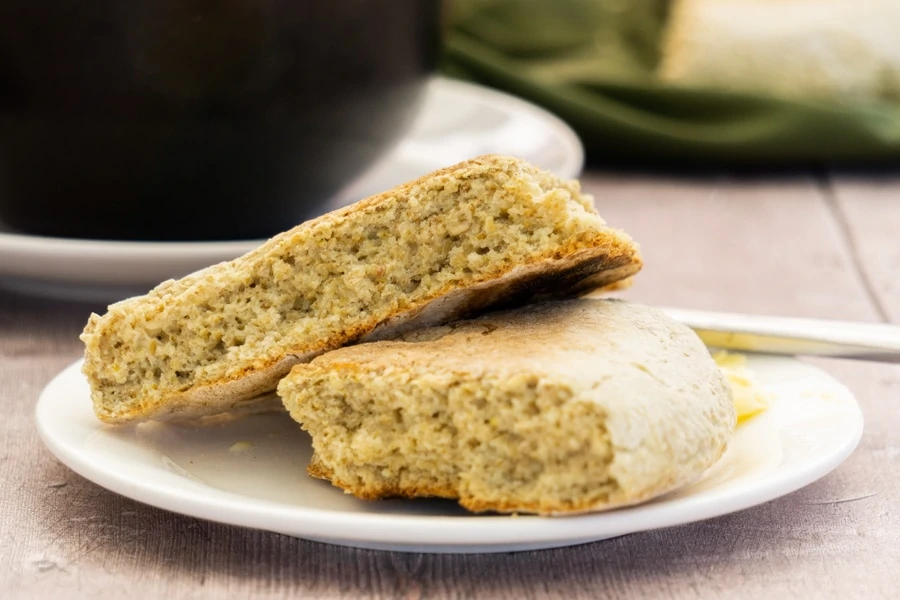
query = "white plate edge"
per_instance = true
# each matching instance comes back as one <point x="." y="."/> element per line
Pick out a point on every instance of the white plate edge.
<point x="381" y="529"/>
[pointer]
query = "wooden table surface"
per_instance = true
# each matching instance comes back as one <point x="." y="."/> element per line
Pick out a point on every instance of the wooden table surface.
<point x="817" y="246"/>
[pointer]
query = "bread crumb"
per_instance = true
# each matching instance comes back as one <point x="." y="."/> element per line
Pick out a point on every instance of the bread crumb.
<point x="240" y="447"/>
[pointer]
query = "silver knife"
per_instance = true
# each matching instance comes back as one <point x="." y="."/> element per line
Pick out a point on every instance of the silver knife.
<point x="788" y="335"/>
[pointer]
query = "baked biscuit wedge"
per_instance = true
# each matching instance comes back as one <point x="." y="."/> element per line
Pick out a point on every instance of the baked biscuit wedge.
<point x="487" y="232"/>
<point x="561" y="407"/>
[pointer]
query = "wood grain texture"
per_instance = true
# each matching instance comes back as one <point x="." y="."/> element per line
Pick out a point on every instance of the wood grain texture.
<point x="870" y="208"/>
<point x="744" y="245"/>
<point x="63" y="537"/>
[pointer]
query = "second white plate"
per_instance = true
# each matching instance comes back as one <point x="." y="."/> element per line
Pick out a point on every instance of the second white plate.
<point x="457" y="121"/>
<point x="252" y="472"/>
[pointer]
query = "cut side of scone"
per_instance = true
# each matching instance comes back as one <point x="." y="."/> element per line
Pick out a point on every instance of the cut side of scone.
<point x="559" y="407"/>
<point x="488" y="232"/>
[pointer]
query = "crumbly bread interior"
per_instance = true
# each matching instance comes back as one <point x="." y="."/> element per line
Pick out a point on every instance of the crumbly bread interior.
<point x="482" y="439"/>
<point x="331" y="281"/>
<point x="559" y="407"/>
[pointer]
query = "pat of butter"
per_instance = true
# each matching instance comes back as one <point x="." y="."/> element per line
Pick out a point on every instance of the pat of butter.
<point x="749" y="397"/>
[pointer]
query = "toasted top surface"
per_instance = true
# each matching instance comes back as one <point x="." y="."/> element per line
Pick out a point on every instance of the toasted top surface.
<point x="207" y="342"/>
<point x="580" y="340"/>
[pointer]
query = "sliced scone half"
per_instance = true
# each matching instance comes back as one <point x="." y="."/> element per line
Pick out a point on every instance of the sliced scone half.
<point x="490" y="231"/>
<point x="559" y="407"/>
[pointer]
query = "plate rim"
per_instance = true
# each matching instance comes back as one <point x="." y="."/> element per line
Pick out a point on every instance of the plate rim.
<point x="494" y="532"/>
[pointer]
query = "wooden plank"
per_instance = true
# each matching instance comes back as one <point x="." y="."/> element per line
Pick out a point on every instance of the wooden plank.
<point x="870" y="208"/>
<point x="746" y="245"/>
<point x="727" y="244"/>
<point x="36" y="326"/>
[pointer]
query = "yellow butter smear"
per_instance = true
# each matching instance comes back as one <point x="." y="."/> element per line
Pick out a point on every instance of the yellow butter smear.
<point x="749" y="397"/>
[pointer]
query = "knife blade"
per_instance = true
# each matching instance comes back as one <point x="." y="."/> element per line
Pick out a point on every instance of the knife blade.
<point x="793" y="336"/>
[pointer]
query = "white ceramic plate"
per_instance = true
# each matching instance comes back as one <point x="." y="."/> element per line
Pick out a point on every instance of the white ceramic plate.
<point x="251" y="472"/>
<point x="457" y="121"/>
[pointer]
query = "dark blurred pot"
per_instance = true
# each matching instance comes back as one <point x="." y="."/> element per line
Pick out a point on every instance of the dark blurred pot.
<point x="199" y="119"/>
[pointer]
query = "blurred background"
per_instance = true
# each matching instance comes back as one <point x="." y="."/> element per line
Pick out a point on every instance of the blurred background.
<point x="144" y="139"/>
<point x="678" y="82"/>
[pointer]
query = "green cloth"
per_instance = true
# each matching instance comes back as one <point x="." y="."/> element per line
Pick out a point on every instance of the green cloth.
<point x="591" y="62"/>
